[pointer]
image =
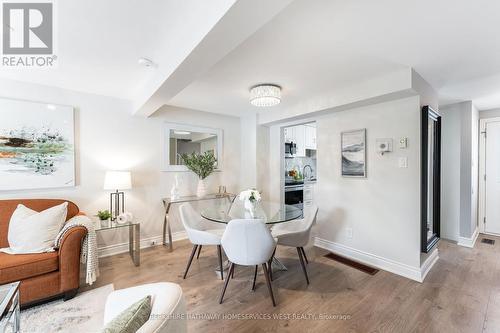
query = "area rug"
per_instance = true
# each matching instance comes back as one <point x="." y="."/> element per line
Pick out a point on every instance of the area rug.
<point x="84" y="313"/>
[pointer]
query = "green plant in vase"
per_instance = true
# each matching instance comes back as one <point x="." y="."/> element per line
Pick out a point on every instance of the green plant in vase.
<point x="103" y="215"/>
<point x="202" y="165"/>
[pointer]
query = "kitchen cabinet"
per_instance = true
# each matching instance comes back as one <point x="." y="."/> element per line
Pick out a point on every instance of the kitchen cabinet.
<point x="308" y="195"/>
<point x="296" y="134"/>
<point x="310" y="137"/>
<point x="304" y="136"/>
<point x="300" y="139"/>
<point x="289" y="134"/>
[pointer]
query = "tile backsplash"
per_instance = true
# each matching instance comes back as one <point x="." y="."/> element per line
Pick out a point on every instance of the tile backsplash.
<point x="299" y="163"/>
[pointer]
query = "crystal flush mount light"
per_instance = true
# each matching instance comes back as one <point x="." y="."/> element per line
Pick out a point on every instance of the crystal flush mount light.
<point x="264" y="95"/>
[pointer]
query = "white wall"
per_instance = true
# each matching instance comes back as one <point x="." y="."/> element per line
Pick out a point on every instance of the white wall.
<point x="450" y="175"/>
<point x="383" y="210"/>
<point x="108" y="137"/>
<point x="248" y="132"/>
<point x="459" y="171"/>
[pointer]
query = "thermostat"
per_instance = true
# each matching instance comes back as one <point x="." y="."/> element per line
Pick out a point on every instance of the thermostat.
<point x="384" y="146"/>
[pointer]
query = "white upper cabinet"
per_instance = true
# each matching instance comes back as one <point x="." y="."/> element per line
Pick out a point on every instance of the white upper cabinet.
<point x="304" y="136"/>
<point x="300" y="140"/>
<point x="289" y="134"/>
<point x="310" y="137"/>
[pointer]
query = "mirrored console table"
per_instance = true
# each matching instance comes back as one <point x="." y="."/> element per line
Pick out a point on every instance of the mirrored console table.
<point x="168" y="202"/>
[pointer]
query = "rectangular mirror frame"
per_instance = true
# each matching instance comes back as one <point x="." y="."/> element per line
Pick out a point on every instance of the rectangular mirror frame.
<point x="183" y="127"/>
<point x="428" y="243"/>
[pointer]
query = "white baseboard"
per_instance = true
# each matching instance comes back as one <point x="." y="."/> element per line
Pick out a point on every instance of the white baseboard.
<point x="110" y="250"/>
<point x="410" y="272"/>
<point x="469" y="242"/>
<point x="428" y="263"/>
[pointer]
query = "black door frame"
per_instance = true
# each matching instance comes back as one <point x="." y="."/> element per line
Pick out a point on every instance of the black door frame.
<point x="429" y="113"/>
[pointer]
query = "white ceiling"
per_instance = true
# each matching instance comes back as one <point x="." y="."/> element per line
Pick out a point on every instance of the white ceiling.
<point x="313" y="47"/>
<point x="99" y="43"/>
<point x="310" y="48"/>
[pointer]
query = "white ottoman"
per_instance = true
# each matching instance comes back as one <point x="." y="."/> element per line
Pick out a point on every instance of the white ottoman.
<point x="168" y="311"/>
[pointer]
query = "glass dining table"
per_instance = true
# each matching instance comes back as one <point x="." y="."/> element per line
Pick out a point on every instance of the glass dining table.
<point x="270" y="212"/>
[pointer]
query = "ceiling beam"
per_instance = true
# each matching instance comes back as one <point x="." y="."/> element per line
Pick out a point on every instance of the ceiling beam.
<point x="242" y="20"/>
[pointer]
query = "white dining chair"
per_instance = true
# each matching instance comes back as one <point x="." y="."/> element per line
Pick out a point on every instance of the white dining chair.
<point x="248" y="242"/>
<point x="200" y="233"/>
<point x="297" y="233"/>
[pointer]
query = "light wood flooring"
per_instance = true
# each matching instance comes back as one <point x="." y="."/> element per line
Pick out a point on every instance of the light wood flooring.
<point x="460" y="294"/>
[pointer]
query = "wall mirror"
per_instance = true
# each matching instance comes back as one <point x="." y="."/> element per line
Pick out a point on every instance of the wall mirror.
<point x="431" y="178"/>
<point x="185" y="139"/>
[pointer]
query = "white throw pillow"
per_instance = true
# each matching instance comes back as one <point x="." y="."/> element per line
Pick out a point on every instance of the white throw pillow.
<point x="35" y="232"/>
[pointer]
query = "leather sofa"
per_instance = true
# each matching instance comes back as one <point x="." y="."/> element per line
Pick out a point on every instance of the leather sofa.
<point x="43" y="275"/>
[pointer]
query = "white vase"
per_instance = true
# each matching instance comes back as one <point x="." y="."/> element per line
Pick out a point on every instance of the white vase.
<point x="174" y="192"/>
<point x="201" y="191"/>
<point x="250" y="207"/>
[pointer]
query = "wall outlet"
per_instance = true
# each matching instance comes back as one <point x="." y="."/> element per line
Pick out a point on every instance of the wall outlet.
<point x="403" y="162"/>
<point x="349" y="232"/>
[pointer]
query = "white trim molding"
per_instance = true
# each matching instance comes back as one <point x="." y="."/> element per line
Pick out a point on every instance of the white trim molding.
<point x="482" y="172"/>
<point x="429" y="263"/>
<point x="413" y="273"/>
<point x="219" y="133"/>
<point x="468" y="241"/>
<point x="110" y="250"/>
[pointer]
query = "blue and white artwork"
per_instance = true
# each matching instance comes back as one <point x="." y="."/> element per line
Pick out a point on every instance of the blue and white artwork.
<point x="36" y="145"/>
<point x="353" y="144"/>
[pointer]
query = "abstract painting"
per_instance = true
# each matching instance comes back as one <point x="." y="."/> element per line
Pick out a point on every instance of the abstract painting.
<point x="353" y="144"/>
<point x="36" y="145"/>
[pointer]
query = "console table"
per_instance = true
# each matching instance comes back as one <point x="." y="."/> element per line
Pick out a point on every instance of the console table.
<point x="168" y="202"/>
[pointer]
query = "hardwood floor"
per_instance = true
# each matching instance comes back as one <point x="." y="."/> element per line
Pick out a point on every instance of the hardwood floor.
<point x="460" y="294"/>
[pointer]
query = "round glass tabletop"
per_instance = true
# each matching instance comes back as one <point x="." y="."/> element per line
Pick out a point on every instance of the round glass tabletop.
<point x="270" y="212"/>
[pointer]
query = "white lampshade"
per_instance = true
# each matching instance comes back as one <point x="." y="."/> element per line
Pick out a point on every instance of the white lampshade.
<point x="117" y="180"/>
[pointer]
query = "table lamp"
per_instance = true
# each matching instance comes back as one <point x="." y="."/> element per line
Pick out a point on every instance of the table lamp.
<point x="117" y="181"/>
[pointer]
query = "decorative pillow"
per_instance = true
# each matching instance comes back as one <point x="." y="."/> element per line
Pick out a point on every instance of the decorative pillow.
<point x="35" y="232"/>
<point x="131" y="319"/>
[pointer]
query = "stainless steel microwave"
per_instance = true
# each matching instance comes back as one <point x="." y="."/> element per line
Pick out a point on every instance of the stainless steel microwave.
<point x="290" y="149"/>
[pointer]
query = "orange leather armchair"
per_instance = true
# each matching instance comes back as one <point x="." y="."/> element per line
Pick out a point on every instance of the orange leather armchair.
<point x="43" y="275"/>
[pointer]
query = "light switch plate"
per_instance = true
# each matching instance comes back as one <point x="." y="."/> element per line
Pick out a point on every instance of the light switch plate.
<point x="403" y="162"/>
<point x="349" y="233"/>
<point x="403" y="143"/>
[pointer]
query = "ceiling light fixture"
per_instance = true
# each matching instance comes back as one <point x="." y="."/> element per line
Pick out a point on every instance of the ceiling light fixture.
<point x="264" y="95"/>
<point x="182" y="132"/>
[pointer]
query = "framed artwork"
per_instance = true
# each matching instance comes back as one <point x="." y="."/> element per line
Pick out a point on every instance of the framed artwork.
<point x="36" y="145"/>
<point x="353" y="148"/>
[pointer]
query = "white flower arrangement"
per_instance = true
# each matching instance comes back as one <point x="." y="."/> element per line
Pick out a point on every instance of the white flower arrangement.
<point x="251" y="195"/>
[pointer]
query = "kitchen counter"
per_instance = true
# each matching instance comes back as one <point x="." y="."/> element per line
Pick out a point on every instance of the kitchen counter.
<point x="292" y="182"/>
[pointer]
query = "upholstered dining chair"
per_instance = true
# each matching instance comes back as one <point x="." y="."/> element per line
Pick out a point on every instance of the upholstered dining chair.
<point x="296" y="234"/>
<point x="200" y="233"/>
<point x="248" y="242"/>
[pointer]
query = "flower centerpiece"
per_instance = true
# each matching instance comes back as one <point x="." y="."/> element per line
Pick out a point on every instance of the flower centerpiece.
<point x="250" y="199"/>
<point x="202" y="165"/>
